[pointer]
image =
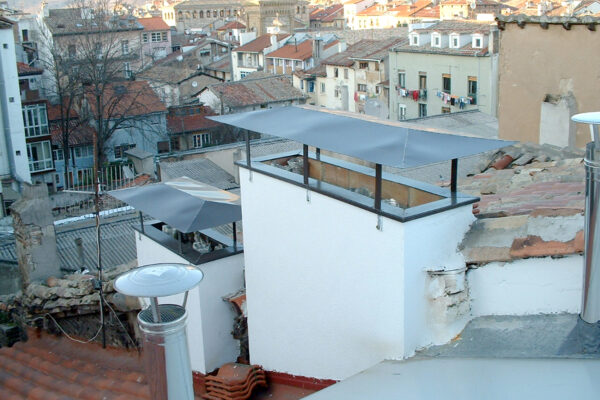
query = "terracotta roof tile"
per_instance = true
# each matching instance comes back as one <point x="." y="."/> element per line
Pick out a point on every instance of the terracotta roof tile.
<point x="189" y="119"/>
<point x="24" y="69"/>
<point x="260" y="43"/>
<point x="79" y="135"/>
<point x="130" y="99"/>
<point x="327" y="14"/>
<point x="232" y="25"/>
<point x="153" y="24"/>
<point x="364" y="49"/>
<point x="301" y="51"/>
<point x="54" y="111"/>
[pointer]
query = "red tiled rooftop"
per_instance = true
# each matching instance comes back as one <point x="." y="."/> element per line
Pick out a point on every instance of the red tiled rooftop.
<point x="130" y="99"/>
<point x="79" y="135"/>
<point x="260" y="43"/>
<point x="189" y="122"/>
<point x="54" y="112"/>
<point x="232" y="25"/>
<point x="153" y="24"/>
<point x="302" y="51"/>
<point x="24" y="69"/>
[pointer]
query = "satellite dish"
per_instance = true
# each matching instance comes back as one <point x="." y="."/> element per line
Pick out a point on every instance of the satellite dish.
<point x="376" y="108"/>
<point x="194" y="84"/>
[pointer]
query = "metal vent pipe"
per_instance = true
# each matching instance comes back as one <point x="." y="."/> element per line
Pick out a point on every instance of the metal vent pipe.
<point x="589" y="321"/>
<point x="165" y="348"/>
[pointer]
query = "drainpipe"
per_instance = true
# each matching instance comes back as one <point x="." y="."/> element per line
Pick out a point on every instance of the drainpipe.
<point x="589" y="321"/>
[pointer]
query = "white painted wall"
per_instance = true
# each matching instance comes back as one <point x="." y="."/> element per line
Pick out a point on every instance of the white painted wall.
<point x="529" y="286"/>
<point x="330" y="295"/>
<point x="13" y="150"/>
<point x="210" y="319"/>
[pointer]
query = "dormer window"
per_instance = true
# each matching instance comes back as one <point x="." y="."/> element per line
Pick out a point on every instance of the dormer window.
<point x="454" y="41"/>
<point x="477" y="41"/>
<point x="414" y="39"/>
<point x="436" y="40"/>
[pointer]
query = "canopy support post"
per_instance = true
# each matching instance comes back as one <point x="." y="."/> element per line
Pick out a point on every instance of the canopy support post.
<point x="378" y="174"/>
<point x="234" y="236"/>
<point x="142" y="222"/>
<point x="453" y="176"/>
<point x="305" y="163"/>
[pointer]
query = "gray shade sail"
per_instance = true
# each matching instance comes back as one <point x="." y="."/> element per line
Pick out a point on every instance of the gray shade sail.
<point x="380" y="143"/>
<point x="183" y="203"/>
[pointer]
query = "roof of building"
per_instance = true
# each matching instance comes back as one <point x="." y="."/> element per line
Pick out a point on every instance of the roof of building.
<point x="376" y="10"/>
<point x="5" y="23"/>
<point x="223" y="65"/>
<point x="453" y="26"/>
<point x="199" y="169"/>
<point x="407" y="10"/>
<point x="428" y="12"/>
<point x="69" y="21"/>
<point x="189" y="119"/>
<point x="178" y="68"/>
<point x="327" y="14"/>
<point x="364" y="50"/>
<point x="79" y="135"/>
<point x="116" y="236"/>
<point x="248" y="92"/>
<point x="232" y="25"/>
<point x="154" y="24"/>
<point x="25" y="70"/>
<point x="129" y="99"/>
<point x="54" y="111"/>
<point x="534" y="19"/>
<point x="472" y="122"/>
<point x="319" y="70"/>
<point x="260" y="43"/>
<point x="302" y="51"/>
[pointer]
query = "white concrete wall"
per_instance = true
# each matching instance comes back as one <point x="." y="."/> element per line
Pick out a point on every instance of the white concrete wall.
<point x="529" y="286"/>
<point x="324" y="286"/>
<point x="13" y="150"/>
<point x="210" y="319"/>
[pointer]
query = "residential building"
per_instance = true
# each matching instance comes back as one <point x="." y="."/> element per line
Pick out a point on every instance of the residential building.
<point x="189" y="128"/>
<point x="219" y="69"/>
<point x="352" y="8"/>
<point x="352" y="76"/>
<point x="156" y="40"/>
<point x="250" y="57"/>
<point x="446" y="67"/>
<point x="77" y="34"/>
<point x="231" y="31"/>
<point x="375" y="17"/>
<point x="301" y="52"/>
<point x="135" y="116"/>
<point x="306" y="81"/>
<point x="14" y="163"/>
<point x="331" y="17"/>
<point x="536" y="102"/>
<point x="261" y="14"/>
<point x="177" y="78"/>
<point x="405" y="14"/>
<point x="35" y="122"/>
<point x="466" y="9"/>
<point x="250" y="93"/>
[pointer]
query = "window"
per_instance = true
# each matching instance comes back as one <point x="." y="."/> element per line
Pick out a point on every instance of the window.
<point x="401" y="112"/>
<point x="145" y="37"/>
<point x="164" y="36"/>
<point x="162" y="146"/>
<point x="84" y="151"/>
<point x="422" y="80"/>
<point x="402" y="79"/>
<point x="445" y="110"/>
<point x="35" y="120"/>
<point x="472" y="88"/>
<point x="40" y="156"/>
<point x="446" y="83"/>
<point x="322" y="87"/>
<point x="477" y="41"/>
<point x="363" y="65"/>
<point x="336" y="93"/>
<point x="422" y="110"/>
<point x="201" y="14"/>
<point x="243" y="74"/>
<point x="72" y="50"/>
<point x="302" y="84"/>
<point x="362" y="87"/>
<point x="377" y="89"/>
<point x="311" y="87"/>
<point x="120" y="150"/>
<point x="25" y="35"/>
<point x="157" y="36"/>
<point x="335" y="72"/>
<point x="58" y="155"/>
<point x="436" y="40"/>
<point x="127" y="70"/>
<point x="201" y="140"/>
<point x="125" y="47"/>
<point x="175" y="144"/>
<point x="414" y="39"/>
<point x="345" y="73"/>
<point x="454" y="42"/>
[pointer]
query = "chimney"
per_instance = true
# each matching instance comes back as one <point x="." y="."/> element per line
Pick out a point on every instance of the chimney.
<point x="317" y="49"/>
<point x="45" y="11"/>
<point x="274" y="40"/>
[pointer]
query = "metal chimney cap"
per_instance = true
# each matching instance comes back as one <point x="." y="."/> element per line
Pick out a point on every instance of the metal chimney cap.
<point x="587" y="118"/>
<point x="158" y="280"/>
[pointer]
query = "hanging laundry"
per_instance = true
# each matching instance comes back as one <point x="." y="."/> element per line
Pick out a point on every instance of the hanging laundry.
<point x="452" y="101"/>
<point x="415" y="95"/>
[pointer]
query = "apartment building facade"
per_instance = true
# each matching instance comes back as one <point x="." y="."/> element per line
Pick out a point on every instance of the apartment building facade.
<point x="444" y="68"/>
